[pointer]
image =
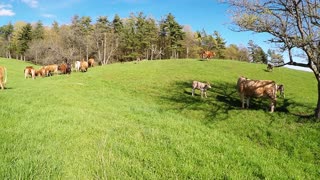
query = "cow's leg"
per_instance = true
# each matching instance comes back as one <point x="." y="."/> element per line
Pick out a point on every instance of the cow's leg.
<point x="205" y="94"/>
<point x="272" y="105"/>
<point x="2" y="87"/>
<point x="248" y="102"/>
<point x="192" y="91"/>
<point x="242" y="101"/>
<point x="201" y="93"/>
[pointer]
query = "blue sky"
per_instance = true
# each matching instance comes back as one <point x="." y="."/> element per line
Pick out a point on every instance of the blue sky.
<point x="205" y="14"/>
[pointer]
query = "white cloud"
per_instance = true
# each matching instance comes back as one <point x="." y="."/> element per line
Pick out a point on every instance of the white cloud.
<point x="5" y="6"/>
<point x="5" y="10"/>
<point x="31" y="3"/>
<point x="49" y="15"/>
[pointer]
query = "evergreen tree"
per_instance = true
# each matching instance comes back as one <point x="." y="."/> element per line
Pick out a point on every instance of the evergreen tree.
<point x="220" y="45"/>
<point x="257" y="54"/>
<point x="55" y="26"/>
<point x="275" y="58"/>
<point x="24" y="38"/>
<point x="117" y="24"/>
<point x="174" y="34"/>
<point x="38" y="31"/>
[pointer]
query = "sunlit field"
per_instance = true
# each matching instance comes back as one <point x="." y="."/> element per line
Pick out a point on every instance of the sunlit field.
<point x="139" y="121"/>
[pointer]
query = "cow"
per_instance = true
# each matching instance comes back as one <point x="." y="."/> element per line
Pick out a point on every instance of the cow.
<point x="270" y="67"/>
<point x="62" y="68"/>
<point x="208" y="54"/>
<point x="77" y="65"/>
<point x="248" y="88"/>
<point x="69" y="68"/>
<point x="50" y="69"/>
<point x="203" y="87"/>
<point x="41" y="72"/>
<point x="65" y="68"/>
<point x="91" y="62"/>
<point x="281" y="90"/>
<point x="29" y="70"/>
<point x="84" y="66"/>
<point x="3" y="77"/>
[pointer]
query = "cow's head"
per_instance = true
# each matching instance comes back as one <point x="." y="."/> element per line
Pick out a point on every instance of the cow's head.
<point x="208" y="85"/>
<point x="280" y="88"/>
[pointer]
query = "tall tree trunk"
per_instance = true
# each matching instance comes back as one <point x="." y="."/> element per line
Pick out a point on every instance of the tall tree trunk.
<point x="99" y="51"/>
<point x="317" y="110"/>
<point x="105" y="48"/>
<point x="87" y="51"/>
<point x="187" y="52"/>
<point x="36" y="56"/>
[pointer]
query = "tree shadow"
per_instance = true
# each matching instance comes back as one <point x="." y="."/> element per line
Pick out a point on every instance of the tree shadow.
<point x="222" y="99"/>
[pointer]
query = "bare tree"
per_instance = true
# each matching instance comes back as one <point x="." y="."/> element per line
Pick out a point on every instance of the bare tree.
<point x="292" y="24"/>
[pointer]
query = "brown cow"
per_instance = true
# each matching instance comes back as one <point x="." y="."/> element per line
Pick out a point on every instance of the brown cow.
<point x="91" y="62"/>
<point x="65" y="68"/>
<point x="208" y="54"/>
<point x="62" y="68"/>
<point x="3" y="77"/>
<point x="41" y="72"/>
<point x="83" y="66"/>
<point x="50" y="69"/>
<point x="203" y="87"/>
<point x="29" y="70"/>
<point x="257" y="88"/>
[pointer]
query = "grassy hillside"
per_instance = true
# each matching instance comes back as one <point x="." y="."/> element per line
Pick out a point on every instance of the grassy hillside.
<point x="140" y="121"/>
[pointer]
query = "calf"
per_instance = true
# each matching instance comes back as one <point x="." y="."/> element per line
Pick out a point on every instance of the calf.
<point x="41" y="72"/>
<point x="281" y="90"/>
<point x="201" y="86"/>
<point x="50" y="69"/>
<point x="3" y="77"/>
<point x="62" y="68"/>
<point x="83" y="66"/>
<point x="91" y="62"/>
<point x="77" y="65"/>
<point x="270" y="67"/>
<point x="257" y="88"/>
<point x="29" y="70"/>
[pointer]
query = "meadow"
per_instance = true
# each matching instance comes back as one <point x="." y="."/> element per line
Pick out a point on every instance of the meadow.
<point x="139" y="121"/>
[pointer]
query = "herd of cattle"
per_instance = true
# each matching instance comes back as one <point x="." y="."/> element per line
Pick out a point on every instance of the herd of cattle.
<point x="49" y="70"/>
<point x="246" y="88"/>
<point x="64" y="68"/>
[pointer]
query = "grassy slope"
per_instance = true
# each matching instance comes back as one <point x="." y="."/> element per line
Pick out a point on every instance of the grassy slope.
<point x="140" y="120"/>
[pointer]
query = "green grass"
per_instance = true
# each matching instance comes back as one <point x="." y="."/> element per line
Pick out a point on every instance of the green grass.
<point x="129" y="121"/>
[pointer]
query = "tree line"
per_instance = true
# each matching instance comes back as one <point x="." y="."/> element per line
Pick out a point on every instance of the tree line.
<point x="122" y="39"/>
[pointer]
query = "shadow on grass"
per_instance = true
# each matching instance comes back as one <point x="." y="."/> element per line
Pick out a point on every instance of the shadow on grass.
<point x="223" y="98"/>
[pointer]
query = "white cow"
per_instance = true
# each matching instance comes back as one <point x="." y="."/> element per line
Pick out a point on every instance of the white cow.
<point x="201" y="86"/>
<point x="77" y="65"/>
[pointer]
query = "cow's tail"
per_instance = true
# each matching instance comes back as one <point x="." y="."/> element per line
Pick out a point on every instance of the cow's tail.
<point x="5" y="75"/>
